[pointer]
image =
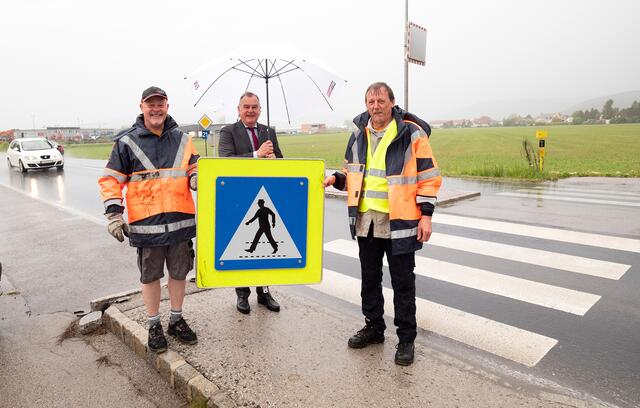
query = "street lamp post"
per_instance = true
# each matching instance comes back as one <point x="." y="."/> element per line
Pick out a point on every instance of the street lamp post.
<point x="406" y="55"/>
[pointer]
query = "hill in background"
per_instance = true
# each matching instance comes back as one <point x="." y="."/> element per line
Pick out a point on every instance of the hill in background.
<point x="500" y="109"/>
<point x="620" y="100"/>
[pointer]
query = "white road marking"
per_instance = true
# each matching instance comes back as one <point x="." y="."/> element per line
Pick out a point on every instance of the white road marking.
<point x="503" y="340"/>
<point x="586" y="191"/>
<point x="554" y="234"/>
<point x="541" y="294"/>
<point x="571" y="263"/>
<point x="616" y="196"/>
<point x="572" y="199"/>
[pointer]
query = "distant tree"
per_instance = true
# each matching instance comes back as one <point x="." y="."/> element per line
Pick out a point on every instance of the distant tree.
<point x="578" y="117"/>
<point x="513" y="120"/>
<point x="608" y="111"/>
<point x="348" y="123"/>
<point x="592" y="115"/>
<point x="629" y="115"/>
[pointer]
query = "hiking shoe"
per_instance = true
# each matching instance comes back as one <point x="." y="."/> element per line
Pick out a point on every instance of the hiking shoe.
<point x="404" y="354"/>
<point x="182" y="332"/>
<point x="157" y="342"/>
<point x="365" y="336"/>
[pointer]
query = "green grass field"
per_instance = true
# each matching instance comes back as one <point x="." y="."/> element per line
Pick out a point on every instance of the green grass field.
<point x="595" y="150"/>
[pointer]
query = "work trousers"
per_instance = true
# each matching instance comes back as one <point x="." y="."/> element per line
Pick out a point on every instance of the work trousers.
<point x="403" y="282"/>
<point x="245" y="292"/>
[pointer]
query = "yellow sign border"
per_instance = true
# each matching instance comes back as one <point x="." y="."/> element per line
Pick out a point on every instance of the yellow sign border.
<point x="208" y="170"/>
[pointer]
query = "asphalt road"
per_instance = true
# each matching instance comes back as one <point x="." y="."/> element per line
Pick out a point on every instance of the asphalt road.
<point x="541" y="280"/>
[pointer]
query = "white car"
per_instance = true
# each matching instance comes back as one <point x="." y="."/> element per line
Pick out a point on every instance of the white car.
<point x="33" y="153"/>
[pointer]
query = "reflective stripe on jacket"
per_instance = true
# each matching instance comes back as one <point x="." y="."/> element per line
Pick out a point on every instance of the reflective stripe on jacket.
<point x="155" y="170"/>
<point x="412" y="175"/>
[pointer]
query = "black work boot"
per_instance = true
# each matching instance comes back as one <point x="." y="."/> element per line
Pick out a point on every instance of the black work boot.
<point x="243" y="305"/>
<point x="404" y="354"/>
<point x="182" y="332"/>
<point x="269" y="302"/>
<point x="157" y="342"/>
<point x="365" y="336"/>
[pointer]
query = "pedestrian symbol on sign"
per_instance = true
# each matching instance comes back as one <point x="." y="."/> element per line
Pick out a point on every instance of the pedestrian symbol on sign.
<point x="263" y="221"/>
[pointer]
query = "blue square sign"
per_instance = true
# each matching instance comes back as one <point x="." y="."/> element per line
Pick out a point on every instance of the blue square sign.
<point x="261" y="222"/>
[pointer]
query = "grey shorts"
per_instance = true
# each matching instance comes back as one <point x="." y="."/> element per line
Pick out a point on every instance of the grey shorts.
<point x="179" y="259"/>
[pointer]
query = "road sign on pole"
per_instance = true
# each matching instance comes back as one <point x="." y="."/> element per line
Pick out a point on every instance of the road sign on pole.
<point x="541" y="135"/>
<point x="260" y="222"/>
<point x="205" y="122"/>
<point x="415" y="48"/>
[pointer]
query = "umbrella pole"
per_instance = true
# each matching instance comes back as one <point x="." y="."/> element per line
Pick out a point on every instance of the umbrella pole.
<point x="266" y="70"/>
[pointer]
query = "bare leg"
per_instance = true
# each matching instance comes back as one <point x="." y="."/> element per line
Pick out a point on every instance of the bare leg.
<point x="151" y="297"/>
<point x="176" y="293"/>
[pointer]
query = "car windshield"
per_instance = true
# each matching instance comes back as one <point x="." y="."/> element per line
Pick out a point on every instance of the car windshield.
<point x="35" y="145"/>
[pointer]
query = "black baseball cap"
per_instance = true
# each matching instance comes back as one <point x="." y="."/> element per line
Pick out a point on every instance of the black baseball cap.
<point x="153" y="91"/>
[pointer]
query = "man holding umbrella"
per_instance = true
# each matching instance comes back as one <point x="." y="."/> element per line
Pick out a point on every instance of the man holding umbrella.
<point x="248" y="138"/>
<point x="392" y="180"/>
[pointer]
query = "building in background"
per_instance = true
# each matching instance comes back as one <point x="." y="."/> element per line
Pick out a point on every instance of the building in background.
<point x="57" y="133"/>
<point x="312" y="128"/>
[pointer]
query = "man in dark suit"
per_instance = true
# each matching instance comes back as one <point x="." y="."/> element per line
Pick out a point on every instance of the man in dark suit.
<point x="248" y="138"/>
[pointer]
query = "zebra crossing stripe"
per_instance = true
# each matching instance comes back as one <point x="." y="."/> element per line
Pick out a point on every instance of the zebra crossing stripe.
<point x="617" y="196"/>
<point x="510" y="342"/>
<point x="541" y="294"/>
<point x="573" y="199"/>
<point x="548" y="259"/>
<point x="587" y="191"/>
<point x="554" y="234"/>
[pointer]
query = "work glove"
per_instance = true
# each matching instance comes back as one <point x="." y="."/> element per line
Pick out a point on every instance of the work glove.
<point x="193" y="182"/>
<point x="117" y="226"/>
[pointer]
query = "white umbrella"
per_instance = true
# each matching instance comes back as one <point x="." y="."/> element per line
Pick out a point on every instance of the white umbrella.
<point x="287" y="85"/>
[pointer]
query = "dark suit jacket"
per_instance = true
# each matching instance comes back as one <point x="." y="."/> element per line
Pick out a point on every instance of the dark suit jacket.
<point x="234" y="140"/>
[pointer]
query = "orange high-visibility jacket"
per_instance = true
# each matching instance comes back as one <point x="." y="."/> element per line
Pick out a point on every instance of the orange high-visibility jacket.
<point x="156" y="171"/>
<point x="412" y="175"/>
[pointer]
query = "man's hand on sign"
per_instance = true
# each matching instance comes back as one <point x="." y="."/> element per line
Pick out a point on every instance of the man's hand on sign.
<point x="265" y="149"/>
<point x="424" y="228"/>
<point x="329" y="181"/>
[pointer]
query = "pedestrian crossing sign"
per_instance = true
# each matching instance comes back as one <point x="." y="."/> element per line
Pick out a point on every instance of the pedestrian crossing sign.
<point x="260" y="222"/>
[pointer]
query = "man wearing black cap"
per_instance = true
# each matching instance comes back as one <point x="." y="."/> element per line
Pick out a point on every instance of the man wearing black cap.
<point x="158" y="164"/>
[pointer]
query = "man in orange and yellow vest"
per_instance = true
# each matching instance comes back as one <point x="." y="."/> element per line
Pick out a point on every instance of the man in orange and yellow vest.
<point x="392" y="180"/>
<point x="157" y="163"/>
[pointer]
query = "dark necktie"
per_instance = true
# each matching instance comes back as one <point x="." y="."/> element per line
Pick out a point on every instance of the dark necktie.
<point x="255" y="138"/>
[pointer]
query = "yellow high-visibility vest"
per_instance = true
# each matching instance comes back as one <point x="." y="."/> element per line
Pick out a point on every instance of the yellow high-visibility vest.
<point x="375" y="191"/>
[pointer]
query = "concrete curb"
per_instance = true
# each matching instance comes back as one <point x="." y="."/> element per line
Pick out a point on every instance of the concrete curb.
<point x="185" y="379"/>
<point x="101" y="304"/>
<point x="458" y="197"/>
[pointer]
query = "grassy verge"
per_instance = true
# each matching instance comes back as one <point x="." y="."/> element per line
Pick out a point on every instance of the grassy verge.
<point x="606" y="150"/>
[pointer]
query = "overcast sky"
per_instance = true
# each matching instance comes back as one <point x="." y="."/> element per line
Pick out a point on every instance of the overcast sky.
<point x="70" y="63"/>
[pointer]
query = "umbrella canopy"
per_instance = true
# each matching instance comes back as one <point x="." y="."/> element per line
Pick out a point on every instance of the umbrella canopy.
<point x="287" y="86"/>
